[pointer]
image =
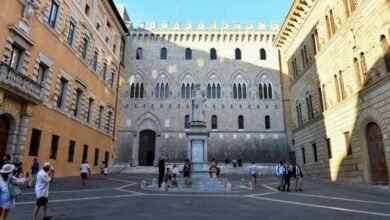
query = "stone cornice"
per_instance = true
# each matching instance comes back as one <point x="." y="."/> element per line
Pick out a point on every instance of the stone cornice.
<point x="294" y="19"/>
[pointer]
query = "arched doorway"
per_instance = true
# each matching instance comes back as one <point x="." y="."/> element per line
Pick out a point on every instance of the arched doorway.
<point x="376" y="153"/>
<point x="147" y="148"/>
<point x="4" y="130"/>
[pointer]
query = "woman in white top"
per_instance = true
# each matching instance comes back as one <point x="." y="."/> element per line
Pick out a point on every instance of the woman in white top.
<point x="175" y="175"/>
<point x="6" y="178"/>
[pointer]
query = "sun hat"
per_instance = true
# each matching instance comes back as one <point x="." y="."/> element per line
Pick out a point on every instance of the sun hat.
<point x="47" y="164"/>
<point x="7" y="168"/>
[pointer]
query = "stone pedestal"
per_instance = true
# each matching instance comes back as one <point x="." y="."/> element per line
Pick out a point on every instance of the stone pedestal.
<point x="197" y="147"/>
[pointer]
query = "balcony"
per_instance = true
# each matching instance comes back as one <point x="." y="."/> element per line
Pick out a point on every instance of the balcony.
<point x="18" y="86"/>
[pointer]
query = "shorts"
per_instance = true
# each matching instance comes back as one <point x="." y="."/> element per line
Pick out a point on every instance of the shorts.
<point x="84" y="176"/>
<point x="253" y="175"/>
<point x="102" y="172"/>
<point x="42" y="201"/>
<point x="186" y="174"/>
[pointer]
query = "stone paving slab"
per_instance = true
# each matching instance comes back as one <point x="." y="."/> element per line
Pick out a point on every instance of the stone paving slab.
<point x="121" y="197"/>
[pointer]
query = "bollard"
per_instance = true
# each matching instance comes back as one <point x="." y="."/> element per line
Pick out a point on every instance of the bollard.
<point x="250" y="186"/>
<point x="143" y="184"/>
<point x="228" y="187"/>
<point x="163" y="187"/>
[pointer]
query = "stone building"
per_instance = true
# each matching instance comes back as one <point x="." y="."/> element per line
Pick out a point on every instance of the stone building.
<point x="60" y="70"/>
<point x="337" y="56"/>
<point x="238" y="71"/>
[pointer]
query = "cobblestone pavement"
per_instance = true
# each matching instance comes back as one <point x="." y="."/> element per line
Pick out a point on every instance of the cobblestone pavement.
<point x="121" y="197"/>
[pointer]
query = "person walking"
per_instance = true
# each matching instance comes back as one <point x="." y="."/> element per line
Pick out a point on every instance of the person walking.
<point x="279" y="171"/>
<point x="298" y="175"/>
<point x="85" y="170"/>
<point x="161" y="171"/>
<point x="34" y="172"/>
<point x="42" y="190"/>
<point x="7" y="178"/>
<point x="287" y="176"/>
<point x="187" y="172"/>
<point x="253" y="172"/>
<point x="102" y="167"/>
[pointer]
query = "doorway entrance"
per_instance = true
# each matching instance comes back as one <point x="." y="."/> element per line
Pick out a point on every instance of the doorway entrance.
<point x="376" y="154"/>
<point x="147" y="148"/>
<point x="4" y="129"/>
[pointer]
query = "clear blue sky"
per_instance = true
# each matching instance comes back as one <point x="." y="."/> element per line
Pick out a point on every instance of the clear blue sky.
<point x="243" y="11"/>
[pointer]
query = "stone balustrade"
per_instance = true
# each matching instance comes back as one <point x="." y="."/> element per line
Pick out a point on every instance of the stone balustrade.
<point x="20" y="82"/>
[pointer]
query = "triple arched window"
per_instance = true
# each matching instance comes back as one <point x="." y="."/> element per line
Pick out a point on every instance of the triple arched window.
<point x="137" y="90"/>
<point x="187" y="90"/>
<point x="265" y="91"/>
<point x="213" y="91"/>
<point x="162" y="91"/>
<point x="263" y="55"/>
<point x="164" y="54"/>
<point x="239" y="91"/>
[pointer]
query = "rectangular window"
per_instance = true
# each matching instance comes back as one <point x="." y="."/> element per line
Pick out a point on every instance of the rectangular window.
<point x="87" y="9"/>
<point x="348" y="145"/>
<point x="303" y="155"/>
<point x="337" y="87"/>
<point x="303" y="58"/>
<point x="84" y="48"/>
<point x="342" y="88"/>
<point x="316" y="41"/>
<point x="61" y="94"/>
<point x="15" y="57"/>
<point x="104" y="71"/>
<point x="109" y="118"/>
<point x="54" y="146"/>
<point x="315" y="152"/>
<point x="85" y="152"/>
<point x="305" y="53"/>
<point x="98" y="26"/>
<point x="71" y="33"/>
<point x="100" y="119"/>
<point x="91" y="102"/>
<point x="72" y="145"/>
<point x="106" y="157"/>
<point x="112" y="79"/>
<point x="329" y="147"/>
<point x="96" y="159"/>
<point x="42" y="69"/>
<point x="214" y="122"/>
<point x="95" y="61"/>
<point x="321" y="99"/>
<point x="34" y="142"/>
<point x="78" y="104"/>
<point x="53" y="14"/>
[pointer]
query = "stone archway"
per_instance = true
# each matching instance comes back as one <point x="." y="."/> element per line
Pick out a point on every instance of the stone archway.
<point x="376" y="153"/>
<point x="147" y="148"/>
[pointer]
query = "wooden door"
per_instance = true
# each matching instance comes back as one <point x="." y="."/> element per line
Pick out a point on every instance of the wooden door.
<point x="147" y="145"/>
<point x="377" y="155"/>
<point x="4" y="128"/>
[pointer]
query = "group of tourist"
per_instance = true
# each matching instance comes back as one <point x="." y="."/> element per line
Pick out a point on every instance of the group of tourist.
<point x="170" y="175"/>
<point x="284" y="171"/>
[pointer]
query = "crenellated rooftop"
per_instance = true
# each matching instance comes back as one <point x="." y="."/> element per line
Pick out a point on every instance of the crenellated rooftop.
<point x="201" y="26"/>
<point x="294" y="19"/>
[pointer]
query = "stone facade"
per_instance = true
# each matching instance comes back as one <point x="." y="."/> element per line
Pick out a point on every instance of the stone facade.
<point x="337" y="56"/>
<point x="52" y="86"/>
<point x="165" y="63"/>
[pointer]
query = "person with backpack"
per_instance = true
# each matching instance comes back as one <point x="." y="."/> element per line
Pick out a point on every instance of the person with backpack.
<point x="279" y="172"/>
<point x="7" y="198"/>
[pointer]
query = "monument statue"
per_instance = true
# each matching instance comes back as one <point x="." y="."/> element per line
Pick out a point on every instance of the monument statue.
<point x="198" y="112"/>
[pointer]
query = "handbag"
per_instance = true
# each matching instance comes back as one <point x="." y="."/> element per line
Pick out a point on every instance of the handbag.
<point x="13" y="191"/>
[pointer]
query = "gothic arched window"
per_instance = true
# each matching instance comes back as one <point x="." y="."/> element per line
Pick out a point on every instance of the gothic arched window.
<point x="238" y="54"/>
<point x="213" y="54"/>
<point x="263" y="55"/>
<point x="139" y="54"/>
<point x="188" y="55"/>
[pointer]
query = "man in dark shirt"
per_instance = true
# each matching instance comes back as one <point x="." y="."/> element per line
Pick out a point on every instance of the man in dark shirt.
<point x="161" y="171"/>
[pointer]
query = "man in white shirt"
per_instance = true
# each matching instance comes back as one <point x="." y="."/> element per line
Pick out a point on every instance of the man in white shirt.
<point x="42" y="190"/>
<point x="253" y="172"/>
<point x="85" y="171"/>
<point x="279" y="171"/>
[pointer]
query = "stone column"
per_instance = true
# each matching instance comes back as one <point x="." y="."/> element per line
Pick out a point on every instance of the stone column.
<point x="157" y="152"/>
<point x="134" y="159"/>
<point x="25" y="115"/>
<point x="189" y="149"/>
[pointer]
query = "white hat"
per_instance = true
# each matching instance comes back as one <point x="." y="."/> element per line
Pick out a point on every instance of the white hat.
<point x="47" y="164"/>
<point x="7" y="168"/>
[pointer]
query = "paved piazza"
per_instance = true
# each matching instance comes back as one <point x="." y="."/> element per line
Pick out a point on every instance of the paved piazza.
<point x="121" y="197"/>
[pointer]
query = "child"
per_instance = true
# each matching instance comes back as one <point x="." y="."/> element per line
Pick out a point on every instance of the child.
<point x="168" y="176"/>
